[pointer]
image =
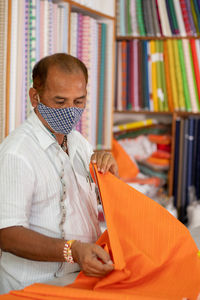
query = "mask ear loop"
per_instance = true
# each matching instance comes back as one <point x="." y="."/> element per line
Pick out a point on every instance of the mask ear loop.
<point x="38" y="98"/>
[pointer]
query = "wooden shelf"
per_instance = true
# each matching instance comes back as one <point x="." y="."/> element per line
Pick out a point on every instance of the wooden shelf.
<point x="87" y="9"/>
<point x="128" y="37"/>
<point x="146" y="112"/>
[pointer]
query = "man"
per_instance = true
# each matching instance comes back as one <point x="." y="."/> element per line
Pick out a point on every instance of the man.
<point x="48" y="205"/>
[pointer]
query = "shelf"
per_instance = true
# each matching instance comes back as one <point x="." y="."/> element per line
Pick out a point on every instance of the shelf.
<point x="86" y="9"/>
<point x="146" y="112"/>
<point x="128" y="37"/>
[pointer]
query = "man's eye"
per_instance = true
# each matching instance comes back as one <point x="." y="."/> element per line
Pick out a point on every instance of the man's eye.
<point x="60" y="102"/>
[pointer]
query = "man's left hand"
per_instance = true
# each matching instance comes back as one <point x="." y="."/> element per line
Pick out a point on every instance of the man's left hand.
<point x="105" y="162"/>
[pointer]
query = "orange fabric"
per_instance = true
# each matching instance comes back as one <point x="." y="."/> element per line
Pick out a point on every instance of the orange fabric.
<point x="161" y="154"/>
<point x="154" y="254"/>
<point x="158" y="161"/>
<point x="150" y="180"/>
<point x="160" y="139"/>
<point x="127" y="168"/>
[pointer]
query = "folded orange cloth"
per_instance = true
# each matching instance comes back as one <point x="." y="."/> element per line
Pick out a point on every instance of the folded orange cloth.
<point x="161" y="154"/>
<point x="160" y="139"/>
<point x="154" y="254"/>
<point x="157" y="161"/>
<point x="127" y="168"/>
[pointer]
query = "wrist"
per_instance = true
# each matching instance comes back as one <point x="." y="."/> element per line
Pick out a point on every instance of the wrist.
<point x="74" y="248"/>
<point x="67" y="251"/>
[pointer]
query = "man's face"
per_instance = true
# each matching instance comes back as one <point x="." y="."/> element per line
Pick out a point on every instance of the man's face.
<point x="64" y="90"/>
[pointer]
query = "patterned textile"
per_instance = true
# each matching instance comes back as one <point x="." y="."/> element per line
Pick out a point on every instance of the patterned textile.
<point x="3" y="50"/>
<point x="61" y="120"/>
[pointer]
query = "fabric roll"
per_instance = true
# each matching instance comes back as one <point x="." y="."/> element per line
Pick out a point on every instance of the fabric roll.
<point x="128" y="71"/>
<point x="119" y="75"/>
<point x="131" y="88"/>
<point x="128" y="19"/>
<point x="196" y="7"/>
<point x="159" y="17"/>
<point x="167" y="76"/>
<point x="163" y="79"/>
<point x="154" y="75"/>
<point x="179" y="18"/>
<point x="173" y="74"/>
<point x="196" y="66"/>
<point x="146" y="77"/>
<point x="170" y="17"/>
<point x="164" y="18"/>
<point x="159" y="86"/>
<point x="186" y="19"/>
<point x="189" y="71"/>
<point x="197" y="42"/>
<point x="150" y="77"/>
<point x="172" y="13"/>
<point x="101" y="85"/>
<point x="140" y="78"/>
<point x="135" y="72"/>
<point x="124" y="74"/>
<point x="134" y="23"/>
<point x="155" y="18"/>
<point x="122" y="17"/>
<point x="140" y="19"/>
<point x="148" y="18"/>
<point x="181" y="99"/>
<point x="184" y="76"/>
<point x="189" y="10"/>
<point x="194" y="15"/>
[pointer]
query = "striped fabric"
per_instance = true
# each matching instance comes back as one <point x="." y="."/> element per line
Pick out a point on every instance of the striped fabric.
<point x="186" y="17"/>
<point x="3" y="60"/>
<point x="158" y="16"/>
<point x="172" y="69"/>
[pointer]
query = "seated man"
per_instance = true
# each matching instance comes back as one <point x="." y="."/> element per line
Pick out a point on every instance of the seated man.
<point x="48" y="205"/>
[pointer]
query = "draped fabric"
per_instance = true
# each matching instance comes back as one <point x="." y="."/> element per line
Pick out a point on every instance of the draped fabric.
<point x="154" y="254"/>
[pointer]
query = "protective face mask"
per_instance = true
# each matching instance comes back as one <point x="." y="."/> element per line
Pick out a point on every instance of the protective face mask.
<point x="61" y="120"/>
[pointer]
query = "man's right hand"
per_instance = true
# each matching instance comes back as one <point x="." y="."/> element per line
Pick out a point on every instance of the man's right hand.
<point x="93" y="260"/>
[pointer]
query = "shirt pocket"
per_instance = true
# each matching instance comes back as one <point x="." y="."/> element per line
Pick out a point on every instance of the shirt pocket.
<point x="88" y="188"/>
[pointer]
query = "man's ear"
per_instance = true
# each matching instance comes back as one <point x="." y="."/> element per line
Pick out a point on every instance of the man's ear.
<point x="33" y="94"/>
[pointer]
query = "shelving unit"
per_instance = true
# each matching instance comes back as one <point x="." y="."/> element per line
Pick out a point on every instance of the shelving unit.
<point x="131" y="114"/>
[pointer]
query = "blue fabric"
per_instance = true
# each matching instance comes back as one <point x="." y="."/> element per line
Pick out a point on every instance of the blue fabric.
<point x="61" y="120"/>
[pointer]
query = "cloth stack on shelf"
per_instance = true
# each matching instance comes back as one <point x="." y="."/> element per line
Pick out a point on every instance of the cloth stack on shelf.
<point x="146" y="147"/>
<point x="158" y="75"/>
<point x="158" y="18"/>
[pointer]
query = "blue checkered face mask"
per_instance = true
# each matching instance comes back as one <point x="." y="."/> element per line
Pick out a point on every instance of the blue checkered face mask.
<point x="61" y="120"/>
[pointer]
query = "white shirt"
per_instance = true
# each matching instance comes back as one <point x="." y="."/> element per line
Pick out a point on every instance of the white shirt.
<point x="40" y="188"/>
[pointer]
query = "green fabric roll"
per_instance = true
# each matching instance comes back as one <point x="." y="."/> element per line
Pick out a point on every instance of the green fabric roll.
<point x="140" y="18"/>
<point x="184" y="76"/>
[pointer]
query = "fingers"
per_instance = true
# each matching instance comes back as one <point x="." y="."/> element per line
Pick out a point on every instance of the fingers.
<point x="94" y="267"/>
<point x="93" y="260"/>
<point x="102" y="254"/>
<point x="105" y="162"/>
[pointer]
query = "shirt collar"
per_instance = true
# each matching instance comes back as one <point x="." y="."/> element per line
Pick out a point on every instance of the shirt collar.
<point x="41" y="132"/>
